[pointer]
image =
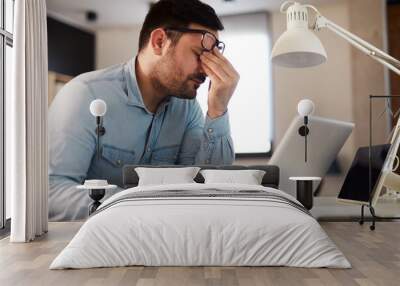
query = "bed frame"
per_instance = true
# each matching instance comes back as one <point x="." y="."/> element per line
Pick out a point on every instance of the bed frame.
<point x="271" y="178"/>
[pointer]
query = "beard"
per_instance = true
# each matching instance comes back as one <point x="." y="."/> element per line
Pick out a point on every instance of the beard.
<point x="168" y="78"/>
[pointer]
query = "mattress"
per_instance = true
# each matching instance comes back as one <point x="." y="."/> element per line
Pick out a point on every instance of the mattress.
<point x="201" y="225"/>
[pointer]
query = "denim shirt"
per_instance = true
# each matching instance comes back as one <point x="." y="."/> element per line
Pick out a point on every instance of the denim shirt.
<point x="177" y="133"/>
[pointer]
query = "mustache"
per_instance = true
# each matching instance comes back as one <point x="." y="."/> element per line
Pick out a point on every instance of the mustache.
<point x="199" y="77"/>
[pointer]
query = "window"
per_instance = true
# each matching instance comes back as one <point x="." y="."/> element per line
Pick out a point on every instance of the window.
<point x="248" y="48"/>
<point x="6" y="44"/>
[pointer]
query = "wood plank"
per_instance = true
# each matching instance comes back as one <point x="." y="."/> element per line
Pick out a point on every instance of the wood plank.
<point x="375" y="257"/>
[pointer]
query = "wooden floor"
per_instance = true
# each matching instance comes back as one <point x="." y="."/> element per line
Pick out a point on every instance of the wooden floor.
<point x="374" y="255"/>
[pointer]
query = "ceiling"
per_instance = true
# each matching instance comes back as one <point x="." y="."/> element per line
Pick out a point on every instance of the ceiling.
<point x="132" y="12"/>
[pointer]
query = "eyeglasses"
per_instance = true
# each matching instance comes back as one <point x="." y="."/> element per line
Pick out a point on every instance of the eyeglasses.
<point x="208" y="40"/>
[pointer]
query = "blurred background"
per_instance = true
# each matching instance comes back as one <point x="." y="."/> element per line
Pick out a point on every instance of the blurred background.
<point x="92" y="34"/>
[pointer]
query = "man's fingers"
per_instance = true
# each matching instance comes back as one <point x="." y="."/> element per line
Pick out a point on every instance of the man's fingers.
<point x="221" y="61"/>
<point x="213" y="76"/>
<point x="219" y="55"/>
<point x="228" y="66"/>
<point x="213" y="58"/>
<point x="216" y="68"/>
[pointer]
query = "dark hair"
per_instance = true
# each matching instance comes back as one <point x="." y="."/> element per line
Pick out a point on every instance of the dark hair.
<point x="178" y="14"/>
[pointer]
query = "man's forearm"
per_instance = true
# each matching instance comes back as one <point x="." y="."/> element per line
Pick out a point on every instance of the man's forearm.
<point x="66" y="202"/>
<point x="216" y="146"/>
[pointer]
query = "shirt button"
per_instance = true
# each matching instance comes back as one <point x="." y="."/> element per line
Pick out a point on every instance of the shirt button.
<point x="119" y="162"/>
<point x="210" y="130"/>
<point x="148" y="149"/>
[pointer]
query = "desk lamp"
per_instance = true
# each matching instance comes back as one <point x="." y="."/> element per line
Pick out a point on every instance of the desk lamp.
<point x="299" y="47"/>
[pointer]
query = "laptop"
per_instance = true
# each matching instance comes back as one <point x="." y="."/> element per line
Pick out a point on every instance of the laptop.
<point x="355" y="188"/>
<point x="325" y="140"/>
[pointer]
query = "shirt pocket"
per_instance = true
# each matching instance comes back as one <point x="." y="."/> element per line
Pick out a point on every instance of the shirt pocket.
<point x="117" y="157"/>
<point x="165" y="155"/>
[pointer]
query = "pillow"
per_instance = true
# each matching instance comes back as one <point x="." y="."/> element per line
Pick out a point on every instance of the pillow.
<point x="248" y="177"/>
<point x="165" y="176"/>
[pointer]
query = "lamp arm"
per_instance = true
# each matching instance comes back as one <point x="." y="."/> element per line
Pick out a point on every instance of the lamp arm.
<point x="396" y="130"/>
<point x="370" y="50"/>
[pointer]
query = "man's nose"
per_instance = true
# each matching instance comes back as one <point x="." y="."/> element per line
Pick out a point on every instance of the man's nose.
<point x="201" y="70"/>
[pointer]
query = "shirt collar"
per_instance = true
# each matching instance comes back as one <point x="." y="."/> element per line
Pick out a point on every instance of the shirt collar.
<point x="134" y="95"/>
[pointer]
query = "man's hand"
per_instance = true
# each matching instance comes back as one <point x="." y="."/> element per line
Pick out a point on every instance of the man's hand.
<point x="224" y="79"/>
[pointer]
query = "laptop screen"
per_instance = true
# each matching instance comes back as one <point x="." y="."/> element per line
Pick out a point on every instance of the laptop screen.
<point x="356" y="183"/>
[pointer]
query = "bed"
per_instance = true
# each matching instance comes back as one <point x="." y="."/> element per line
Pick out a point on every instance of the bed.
<point x="201" y="224"/>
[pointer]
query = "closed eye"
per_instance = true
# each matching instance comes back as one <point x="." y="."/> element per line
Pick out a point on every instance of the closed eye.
<point x="197" y="52"/>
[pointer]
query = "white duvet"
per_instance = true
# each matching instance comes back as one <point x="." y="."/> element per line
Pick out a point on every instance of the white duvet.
<point x="200" y="231"/>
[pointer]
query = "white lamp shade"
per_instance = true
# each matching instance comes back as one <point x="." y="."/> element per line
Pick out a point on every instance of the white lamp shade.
<point x="305" y="107"/>
<point x="298" y="48"/>
<point x="98" y="107"/>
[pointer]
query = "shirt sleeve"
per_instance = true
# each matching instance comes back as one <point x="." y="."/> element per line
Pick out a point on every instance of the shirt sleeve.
<point x="207" y="141"/>
<point x="72" y="143"/>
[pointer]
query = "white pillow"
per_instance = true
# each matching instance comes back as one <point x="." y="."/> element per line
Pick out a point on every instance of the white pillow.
<point x="248" y="177"/>
<point x="165" y="176"/>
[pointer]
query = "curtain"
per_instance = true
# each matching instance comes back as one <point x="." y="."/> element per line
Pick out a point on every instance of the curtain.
<point x="26" y="124"/>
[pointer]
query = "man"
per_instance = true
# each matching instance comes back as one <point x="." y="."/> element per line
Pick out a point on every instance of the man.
<point x="152" y="115"/>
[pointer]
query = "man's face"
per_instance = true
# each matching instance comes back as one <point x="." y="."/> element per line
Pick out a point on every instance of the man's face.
<point x="179" y="71"/>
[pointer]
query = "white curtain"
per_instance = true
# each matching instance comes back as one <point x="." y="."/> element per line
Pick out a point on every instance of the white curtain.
<point x="26" y="124"/>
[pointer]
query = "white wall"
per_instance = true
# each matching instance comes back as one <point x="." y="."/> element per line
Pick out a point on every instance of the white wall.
<point x="248" y="46"/>
<point x="116" y="45"/>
